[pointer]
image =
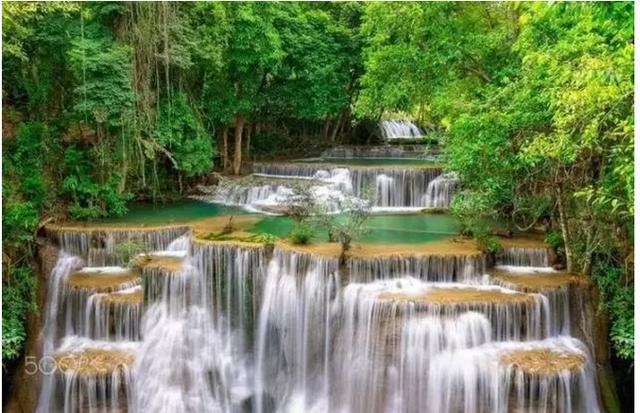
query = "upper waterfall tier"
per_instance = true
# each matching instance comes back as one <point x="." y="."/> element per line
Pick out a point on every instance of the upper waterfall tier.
<point x="400" y="129"/>
<point x="423" y="152"/>
<point x="386" y="186"/>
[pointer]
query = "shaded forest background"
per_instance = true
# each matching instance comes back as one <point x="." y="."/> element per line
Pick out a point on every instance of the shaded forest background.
<point x="105" y="103"/>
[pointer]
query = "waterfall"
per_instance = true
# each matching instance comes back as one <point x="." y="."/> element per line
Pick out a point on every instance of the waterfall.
<point x="422" y="340"/>
<point x="554" y="375"/>
<point x="440" y="191"/>
<point x="89" y="376"/>
<point x="559" y="299"/>
<point x="513" y="315"/>
<point x="418" y="152"/>
<point x="524" y="257"/>
<point x="384" y="186"/>
<point x="294" y="333"/>
<point x="233" y="327"/>
<point x="98" y="245"/>
<point x="234" y="283"/>
<point x="443" y="268"/>
<point x="399" y="129"/>
<point x="114" y="316"/>
<point x="57" y="290"/>
<point x="395" y="187"/>
<point x="329" y="187"/>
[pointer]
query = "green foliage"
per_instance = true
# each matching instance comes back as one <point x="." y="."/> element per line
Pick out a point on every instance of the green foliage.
<point x="265" y="239"/>
<point x="554" y="240"/>
<point x="617" y="299"/>
<point x="182" y="134"/>
<point x="90" y="199"/>
<point x="18" y="298"/>
<point x="470" y="208"/>
<point x="537" y="102"/>
<point x="487" y="242"/>
<point x="129" y="249"/>
<point x="101" y="69"/>
<point x="301" y="234"/>
<point x="349" y="225"/>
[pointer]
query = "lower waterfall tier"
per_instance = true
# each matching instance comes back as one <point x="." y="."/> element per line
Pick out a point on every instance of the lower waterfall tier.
<point x="89" y="376"/>
<point x="233" y="327"/>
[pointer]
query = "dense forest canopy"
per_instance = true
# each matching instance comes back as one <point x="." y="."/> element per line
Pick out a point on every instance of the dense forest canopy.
<point x="533" y="103"/>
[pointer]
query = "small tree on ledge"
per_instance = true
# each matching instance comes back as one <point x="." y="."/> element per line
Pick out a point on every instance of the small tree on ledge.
<point x="346" y="226"/>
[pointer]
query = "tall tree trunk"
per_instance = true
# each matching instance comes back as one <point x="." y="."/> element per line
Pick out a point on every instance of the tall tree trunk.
<point x="125" y="166"/>
<point x="237" y="154"/>
<point x="335" y="130"/>
<point x="225" y="148"/>
<point x="248" y="137"/>
<point x="564" y="227"/>
<point x="325" y="134"/>
<point x="589" y="247"/>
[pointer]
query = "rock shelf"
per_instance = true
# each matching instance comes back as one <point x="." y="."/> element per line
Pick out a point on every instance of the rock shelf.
<point x="109" y="279"/>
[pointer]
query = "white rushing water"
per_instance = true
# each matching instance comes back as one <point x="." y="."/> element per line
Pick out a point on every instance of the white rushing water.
<point x="234" y="328"/>
<point x="440" y="191"/>
<point x="386" y="188"/>
<point x="400" y="129"/>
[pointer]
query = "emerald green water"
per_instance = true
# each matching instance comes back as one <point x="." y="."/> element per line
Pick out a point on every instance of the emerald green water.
<point x="384" y="228"/>
<point x="371" y="162"/>
<point x="173" y="212"/>
<point x="381" y="229"/>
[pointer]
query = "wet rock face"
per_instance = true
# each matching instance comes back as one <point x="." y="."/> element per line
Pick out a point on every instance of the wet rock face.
<point x="591" y="326"/>
<point x="26" y="387"/>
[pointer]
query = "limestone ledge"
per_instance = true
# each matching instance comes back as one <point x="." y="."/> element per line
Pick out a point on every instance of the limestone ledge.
<point x="215" y="227"/>
<point x="103" y="281"/>
<point x="453" y="296"/>
<point x="93" y="362"/>
<point x="168" y="263"/>
<point x="123" y="297"/>
<point x="544" y="361"/>
<point x="529" y="241"/>
<point x="332" y="165"/>
<point x="538" y="282"/>
<point x="98" y="227"/>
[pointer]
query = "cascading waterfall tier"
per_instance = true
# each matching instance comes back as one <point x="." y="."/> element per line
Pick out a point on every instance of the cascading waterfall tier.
<point x="399" y="129"/>
<point x="89" y="376"/>
<point x="388" y="187"/>
<point x="554" y="375"/>
<point x="388" y="334"/>
<point x="440" y="191"/>
<point x="98" y="244"/>
<point x="163" y="277"/>
<point x="233" y="327"/>
<point x="97" y="302"/>
<point x="428" y="267"/>
<point x="115" y="315"/>
<point x="235" y="277"/>
<point x="294" y="334"/>
<point x="194" y="353"/>
<point x="524" y="256"/>
<point x="556" y="286"/>
<point x="512" y="315"/>
<point x="419" y="152"/>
